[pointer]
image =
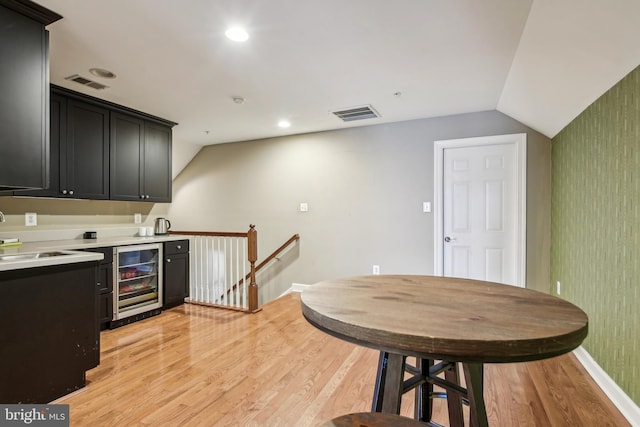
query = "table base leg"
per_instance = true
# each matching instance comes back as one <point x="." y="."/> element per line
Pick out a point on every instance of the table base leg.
<point x="393" y="387"/>
<point x="454" y="400"/>
<point x="423" y="408"/>
<point x="390" y="386"/>
<point x="378" y="391"/>
<point x="474" y="376"/>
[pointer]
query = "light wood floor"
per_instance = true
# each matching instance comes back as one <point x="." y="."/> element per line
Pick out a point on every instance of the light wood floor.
<point x="199" y="366"/>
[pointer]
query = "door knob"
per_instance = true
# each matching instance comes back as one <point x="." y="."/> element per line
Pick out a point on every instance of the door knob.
<point x="449" y="239"/>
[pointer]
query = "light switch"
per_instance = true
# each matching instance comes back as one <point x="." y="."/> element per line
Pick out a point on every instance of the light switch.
<point x="426" y="206"/>
<point x="304" y="207"/>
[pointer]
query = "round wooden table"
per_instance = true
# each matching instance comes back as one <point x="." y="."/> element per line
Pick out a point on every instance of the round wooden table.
<point x="442" y="319"/>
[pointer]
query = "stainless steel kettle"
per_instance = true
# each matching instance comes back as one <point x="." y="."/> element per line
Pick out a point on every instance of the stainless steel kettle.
<point x="162" y="226"/>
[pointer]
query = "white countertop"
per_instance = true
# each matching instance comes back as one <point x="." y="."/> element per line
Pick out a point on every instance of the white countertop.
<point x="70" y="249"/>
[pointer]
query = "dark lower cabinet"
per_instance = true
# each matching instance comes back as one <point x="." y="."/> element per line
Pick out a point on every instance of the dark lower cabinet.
<point x="105" y="287"/>
<point x="176" y="273"/>
<point x="48" y="330"/>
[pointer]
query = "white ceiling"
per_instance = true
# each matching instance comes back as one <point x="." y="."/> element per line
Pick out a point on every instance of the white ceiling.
<point x="541" y="62"/>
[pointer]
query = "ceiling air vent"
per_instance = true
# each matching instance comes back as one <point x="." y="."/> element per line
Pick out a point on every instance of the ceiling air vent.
<point x="86" y="82"/>
<point x="357" y="113"/>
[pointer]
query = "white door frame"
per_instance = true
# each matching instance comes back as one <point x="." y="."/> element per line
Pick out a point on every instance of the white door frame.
<point x="520" y="142"/>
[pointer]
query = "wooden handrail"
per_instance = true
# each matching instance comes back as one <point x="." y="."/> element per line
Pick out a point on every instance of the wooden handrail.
<point x="267" y="259"/>
<point x="277" y="251"/>
<point x="212" y="233"/>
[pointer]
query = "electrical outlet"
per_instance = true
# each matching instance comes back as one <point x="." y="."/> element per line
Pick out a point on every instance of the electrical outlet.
<point x="137" y="218"/>
<point x="376" y="269"/>
<point x="558" y="287"/>
<point x="30" y="219"/>
<point x="304" y="207"/>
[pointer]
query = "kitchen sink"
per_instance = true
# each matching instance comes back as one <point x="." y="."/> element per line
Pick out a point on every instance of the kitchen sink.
<point x="35" y="255"/>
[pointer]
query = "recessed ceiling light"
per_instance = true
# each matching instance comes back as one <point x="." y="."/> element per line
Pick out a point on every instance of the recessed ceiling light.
<point x="284" y="124"/>
<point x="101" y="72"/>
<point x="237" y="34"/>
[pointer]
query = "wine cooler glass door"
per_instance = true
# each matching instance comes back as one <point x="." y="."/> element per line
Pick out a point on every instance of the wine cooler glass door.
<point x="139" y="280"/>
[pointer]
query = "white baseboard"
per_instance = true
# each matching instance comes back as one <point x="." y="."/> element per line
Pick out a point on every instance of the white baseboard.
<point x="298" y="287"/>
<point x="628" y="407"/>
<point x="295" y="287"/>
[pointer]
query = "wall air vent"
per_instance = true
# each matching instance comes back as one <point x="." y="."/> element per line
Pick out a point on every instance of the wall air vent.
<point x="86" y="82"/>
<point x="357" y="113"/>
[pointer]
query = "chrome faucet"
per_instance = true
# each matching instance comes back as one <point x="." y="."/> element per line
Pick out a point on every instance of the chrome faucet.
<point x="2" y="217"/>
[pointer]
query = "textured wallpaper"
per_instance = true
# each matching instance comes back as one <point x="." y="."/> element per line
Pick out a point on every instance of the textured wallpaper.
<point x="595" y="249"/>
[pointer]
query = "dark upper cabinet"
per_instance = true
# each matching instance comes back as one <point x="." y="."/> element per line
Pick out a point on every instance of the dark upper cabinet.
<point x="127" y="136"/>
<point x="79" y="160"/>
<point x="85" y="158"/>
<point x="101" y="150"/>
<point x="58" y="126"/>
<point x="157" y="162"/>
<point x="24" y="95"/>
<point x="140" y="159"/>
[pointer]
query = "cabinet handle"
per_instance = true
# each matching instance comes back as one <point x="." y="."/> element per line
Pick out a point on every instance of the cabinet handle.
<point x="71" y="192"/>
<point x="168" y="259"/>
<point x="64" y="191"/>
<point x="142" y="196"/>
<point x="146" y="197"/>
<point x="179" y="246"/>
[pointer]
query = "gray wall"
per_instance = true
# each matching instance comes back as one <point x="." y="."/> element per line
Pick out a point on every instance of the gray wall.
<point x="364" y="186"/>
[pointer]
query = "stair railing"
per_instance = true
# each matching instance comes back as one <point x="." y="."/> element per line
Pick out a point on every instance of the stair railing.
<point x="223" y="268"/>
<point x="218" y="259"/>
<point x="267" y="260"/>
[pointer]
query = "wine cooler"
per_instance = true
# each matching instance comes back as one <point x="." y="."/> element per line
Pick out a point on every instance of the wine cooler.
<point x="138" y="282"/>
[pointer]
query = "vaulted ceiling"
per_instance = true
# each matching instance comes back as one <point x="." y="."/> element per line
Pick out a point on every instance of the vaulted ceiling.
<point x="539" y="61"/>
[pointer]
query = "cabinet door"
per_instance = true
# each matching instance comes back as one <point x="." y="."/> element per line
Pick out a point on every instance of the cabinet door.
<point x="86" y="164"/>
<point x="58" y="133"/>
<point x="127" y="136"/>
<point x="157" y="163"/>
<point x="24" y="78"/>
<point x="105" y="298"/>
<point x="176" y="279"/>
<point x="105" y="310"/>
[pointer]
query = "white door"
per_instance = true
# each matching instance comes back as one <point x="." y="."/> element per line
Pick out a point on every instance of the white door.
<point x="482" y="209"/>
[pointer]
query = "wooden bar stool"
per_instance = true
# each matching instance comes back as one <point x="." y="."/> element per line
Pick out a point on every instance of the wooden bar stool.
<point x="372" y="419"/>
